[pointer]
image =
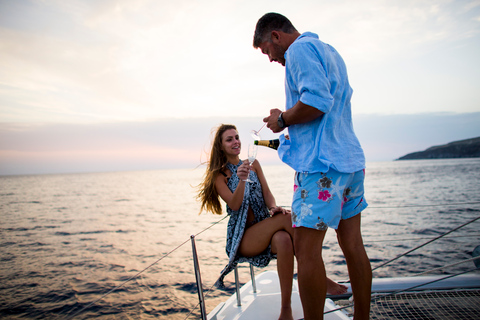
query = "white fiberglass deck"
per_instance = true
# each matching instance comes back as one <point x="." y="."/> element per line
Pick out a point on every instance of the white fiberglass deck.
<point x="265" y="303"/>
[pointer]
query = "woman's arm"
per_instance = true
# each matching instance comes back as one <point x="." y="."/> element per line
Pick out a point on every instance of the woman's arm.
<point x="267" y="194"/>
<point x="234" y="200"/>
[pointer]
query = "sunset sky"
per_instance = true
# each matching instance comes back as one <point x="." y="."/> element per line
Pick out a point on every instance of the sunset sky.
<point x="131" y="85"/>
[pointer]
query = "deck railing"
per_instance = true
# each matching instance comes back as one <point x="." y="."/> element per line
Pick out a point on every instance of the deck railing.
<point x="198" y="277"/>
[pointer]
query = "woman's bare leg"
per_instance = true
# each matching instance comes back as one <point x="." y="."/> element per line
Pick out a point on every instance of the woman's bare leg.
<point x="278" y="232"/>
<point x="335" y="288"/>
<point x="282" y="246"/>
<point x="259" y="236"/>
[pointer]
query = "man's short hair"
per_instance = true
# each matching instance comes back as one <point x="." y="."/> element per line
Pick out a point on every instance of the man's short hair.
<point x="271" y="22"/>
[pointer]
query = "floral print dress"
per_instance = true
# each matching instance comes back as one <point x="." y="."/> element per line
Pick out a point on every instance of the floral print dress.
<point x="253" y="198"/>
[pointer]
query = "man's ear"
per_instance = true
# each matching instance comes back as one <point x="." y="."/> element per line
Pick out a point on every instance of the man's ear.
<point x="275" y="36"/>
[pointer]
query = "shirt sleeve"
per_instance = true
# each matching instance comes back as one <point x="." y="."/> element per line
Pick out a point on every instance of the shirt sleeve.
<point x="308" y="73"/>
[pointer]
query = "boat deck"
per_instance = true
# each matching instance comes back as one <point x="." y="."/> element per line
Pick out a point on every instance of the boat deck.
<point x="451" y="304"/>
<point x="392" y="298"/>
<point x="439" y="298"/>
<point x="265" y="302"/>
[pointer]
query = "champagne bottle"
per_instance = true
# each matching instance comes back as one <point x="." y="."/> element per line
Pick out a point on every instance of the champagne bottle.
<point x="268" y="143"/>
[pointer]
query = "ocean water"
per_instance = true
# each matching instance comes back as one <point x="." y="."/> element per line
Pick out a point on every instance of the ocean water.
<point x="117" y="245"/>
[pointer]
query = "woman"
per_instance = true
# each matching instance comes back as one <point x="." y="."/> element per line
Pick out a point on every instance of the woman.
<point x="258" y="229"/>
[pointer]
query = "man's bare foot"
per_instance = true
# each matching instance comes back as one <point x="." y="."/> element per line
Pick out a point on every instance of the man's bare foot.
<point x="286" y="313"/>
<point x="334" y="288"/>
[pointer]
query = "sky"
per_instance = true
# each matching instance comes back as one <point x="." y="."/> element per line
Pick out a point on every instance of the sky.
<point x="88" y="86"/>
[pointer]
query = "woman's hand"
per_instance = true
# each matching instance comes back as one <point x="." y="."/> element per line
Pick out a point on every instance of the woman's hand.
<point x="277" y="210"/>
<point x="243" y="170"/>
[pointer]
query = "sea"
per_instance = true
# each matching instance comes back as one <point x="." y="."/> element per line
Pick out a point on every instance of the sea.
<point x="118" y="245"/>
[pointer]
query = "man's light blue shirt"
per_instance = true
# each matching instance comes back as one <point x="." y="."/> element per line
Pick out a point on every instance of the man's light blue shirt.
<point x="317" y="76"/>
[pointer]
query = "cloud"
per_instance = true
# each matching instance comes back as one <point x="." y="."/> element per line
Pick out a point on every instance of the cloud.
<point x="385" y="30"/>
<point x="106" y="61"/>
<point x="165" y="143"/>
<point x="184" y="143"/>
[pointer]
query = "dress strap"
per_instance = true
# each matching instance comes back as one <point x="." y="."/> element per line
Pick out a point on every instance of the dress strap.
<point x="232" y="167"/>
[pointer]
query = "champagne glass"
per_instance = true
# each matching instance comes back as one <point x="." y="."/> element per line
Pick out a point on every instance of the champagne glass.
<point x="252" y="155"/>
<point x="256" y="133"/>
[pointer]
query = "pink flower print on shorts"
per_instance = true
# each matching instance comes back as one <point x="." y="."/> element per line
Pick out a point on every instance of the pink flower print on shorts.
<point x="333" y="196"/>
<point x="324" y="195"/>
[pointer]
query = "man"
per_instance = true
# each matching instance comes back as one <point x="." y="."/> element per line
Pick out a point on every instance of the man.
<point x="326" y="155"/>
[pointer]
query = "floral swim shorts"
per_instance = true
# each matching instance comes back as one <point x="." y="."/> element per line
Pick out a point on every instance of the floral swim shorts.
<point x="321" y="200"/>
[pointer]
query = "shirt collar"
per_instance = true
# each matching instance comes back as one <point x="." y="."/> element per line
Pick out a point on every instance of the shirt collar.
<point x="307" y="34"/>
<point x="303" y="35"/>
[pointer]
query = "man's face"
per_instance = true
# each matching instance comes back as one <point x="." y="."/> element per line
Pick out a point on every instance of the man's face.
<point x="274" y="52"/>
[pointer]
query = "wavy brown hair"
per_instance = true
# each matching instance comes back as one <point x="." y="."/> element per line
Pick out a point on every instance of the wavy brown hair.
<point x="207" y="193"/>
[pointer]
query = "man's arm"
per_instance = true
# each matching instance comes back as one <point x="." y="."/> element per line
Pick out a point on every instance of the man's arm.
<point x="300" y="113"/>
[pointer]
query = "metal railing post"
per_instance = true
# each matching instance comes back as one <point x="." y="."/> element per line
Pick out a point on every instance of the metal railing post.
<point x="198" y="277"/>
<point x="252" y="275"/>
<point x="239" y="299"/>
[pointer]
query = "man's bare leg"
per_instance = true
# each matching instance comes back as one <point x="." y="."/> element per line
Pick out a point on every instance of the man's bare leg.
<point x="282" y="246"/>
<point x="359" y="269"/>
<point x="311" y="271"/>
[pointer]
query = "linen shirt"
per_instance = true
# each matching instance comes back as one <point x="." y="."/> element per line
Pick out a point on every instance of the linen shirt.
<point x="316" y="74"/>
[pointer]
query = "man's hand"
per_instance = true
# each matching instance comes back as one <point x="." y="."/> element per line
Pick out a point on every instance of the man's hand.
<point x="300" y="113"/>
<point x="272" y="120"/>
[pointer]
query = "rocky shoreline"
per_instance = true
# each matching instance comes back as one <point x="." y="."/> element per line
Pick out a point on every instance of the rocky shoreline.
<point x="469" y="148"/>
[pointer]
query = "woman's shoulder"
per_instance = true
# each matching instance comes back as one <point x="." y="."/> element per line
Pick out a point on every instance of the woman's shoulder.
<point x="222" y="172"/>
<point x="256" y="164"/>
<point x="224" y="175"/>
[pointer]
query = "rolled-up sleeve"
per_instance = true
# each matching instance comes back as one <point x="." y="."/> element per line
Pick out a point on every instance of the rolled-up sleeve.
<point x="308" y="75"/>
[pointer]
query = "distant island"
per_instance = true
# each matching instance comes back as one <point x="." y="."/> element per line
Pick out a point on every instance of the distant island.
<point x="469" y="148"/>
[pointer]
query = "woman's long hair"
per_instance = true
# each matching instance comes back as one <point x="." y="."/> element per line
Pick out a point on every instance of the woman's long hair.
<point x="207" y="193"/>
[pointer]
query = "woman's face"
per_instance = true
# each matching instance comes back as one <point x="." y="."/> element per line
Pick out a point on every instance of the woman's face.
<point x="231" y="144"/>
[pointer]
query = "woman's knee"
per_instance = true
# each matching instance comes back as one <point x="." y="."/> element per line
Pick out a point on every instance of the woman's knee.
<point x="285" y="221"/>
<point x="288" y="218"/>
<point x="282" y="237"/>
<point x="281" y="240"/>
